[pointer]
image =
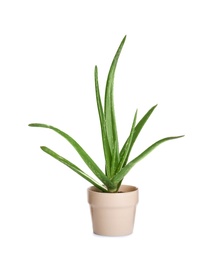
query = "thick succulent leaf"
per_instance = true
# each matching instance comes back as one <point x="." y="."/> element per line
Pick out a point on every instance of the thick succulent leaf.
<point x="86" y="158"/>
<point x="107" y="153"/>
<point x="73" y="167"/>
<point x="109" y="111"/>
<point x="137" y="130"/>
<point x="126" y="150"/>
<point x="120" y="175"/>
<point x="114" y="162"/>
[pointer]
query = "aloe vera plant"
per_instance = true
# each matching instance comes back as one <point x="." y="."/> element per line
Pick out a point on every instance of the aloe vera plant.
<point x="117" y="163"/>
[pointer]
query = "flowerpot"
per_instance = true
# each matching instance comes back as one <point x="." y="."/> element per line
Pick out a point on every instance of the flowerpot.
<point x="113" y="214"/>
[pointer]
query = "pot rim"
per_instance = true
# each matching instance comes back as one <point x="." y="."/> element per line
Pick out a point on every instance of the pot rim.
<point x="124" y="188"/>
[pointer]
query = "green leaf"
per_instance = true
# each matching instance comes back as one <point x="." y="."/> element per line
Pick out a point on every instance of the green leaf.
<point x="137" y="130"/>
<point x="109" y="111"/>
<point x="73" y="167"/>
<point x="120" y="175"/>
<point x="127" y="147"/>
<point x="86" y="158"/>
<point x="114" y="162"/>
<point x="107" y="153"/>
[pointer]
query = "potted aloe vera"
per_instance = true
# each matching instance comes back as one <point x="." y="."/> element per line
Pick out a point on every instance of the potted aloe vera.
<point x="112" y="204"/>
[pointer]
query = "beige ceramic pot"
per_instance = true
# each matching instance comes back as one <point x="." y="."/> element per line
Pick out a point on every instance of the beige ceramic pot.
<point x="113" y="214"/>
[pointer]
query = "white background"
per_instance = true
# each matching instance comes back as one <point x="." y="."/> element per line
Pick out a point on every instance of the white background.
<point x="48" y="50"/>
